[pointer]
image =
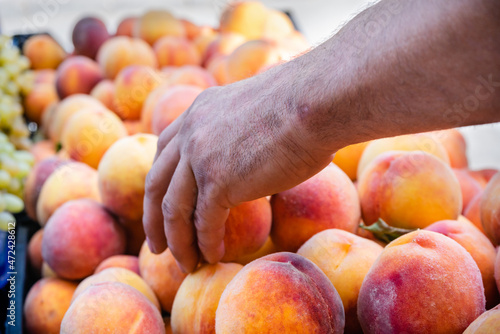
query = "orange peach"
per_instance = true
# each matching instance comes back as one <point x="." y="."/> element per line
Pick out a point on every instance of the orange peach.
<point x="192" y="75"/>
<point x="176" y="51"/>
<point x="486" y="323"/>
<point x="203" y="41"/>
<point x="42" y="150"/>
<point x="154" y="24"/>
<point x="198" y="296"/>
<point x="129" y="262"/>
<point x="162" y="274"/>
<point x="126" y="26"/>
<point x="79" y="236"/>
<point x="483" y="176"/>
<point x="416" y="286"/>
<point x="38" y="99"/>
<point x="122" y="174"/>
<point x="293" y="45"/>
<point x="490" y="215"/>
<point x="104" y="91"/>
<point x="281" y="292"/>
<point x="192" y="30"/>
<point x="112" y="307"/>
<point x="345" y="258"/>
<point x="77" y="75"/>
<point x="327" y="200"/>
<point x="69" y="181"/>
<point x="468" y="185"/>
<point x="347" y="158"/>
<point x="133" y="127"/>
<point x="479" y="247"/>
<point x="43" y="52"/>
<point x="217" y="66"/>
<point x="149" y="105"/>
<point x="266" y="249"/>
<point x="248" y="18"/>
<point x="473" y="211"/>
<point x="45" y="76"/>
<point x="223" y="45"/>
<point x="35" y="251"/>
<point x="47" y="119"/>
<point x="171" y="105"/>
<point x="88" y="35"/>
<point x="122" y="51"/>
<point x="408" y="190"/>
<point x="89" y="133"/>
<point x="45" y="305"/>
<point x="277" y="25"/>
<point x="454" y="143"/>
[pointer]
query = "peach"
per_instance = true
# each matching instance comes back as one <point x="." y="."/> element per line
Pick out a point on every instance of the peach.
<point x="79" y="236"/>
<point x="250" y="57"/>
<point x="198" y="296"/>
<point x="277" y="25"/>
<point x="176" y="51"/>
<point x="129" y="262"/>
<point x="42" y="150"/>
<point x="35" y="180"/>
<point x="203" y="41"/>
<point x="247" y="18"/>
<point x="223" y="45"/>
<point x="468" y="185"/>
<point x="45" y="305"/>
<point x="133" y="127"/>
<point x="171" y="105"/>
<point x="104" y="91"/>
<point x="132" y="86"/>
<point x="347" y="158"/>
<point x="293" y="45"/>
<point x="345" y="258"/>
<point x="192" y="75"/>
<point x="121" y="51"/>
<point x="423" y="282"/>
<point x="112" y="307"/>
<point x="327" y="200"/>
<point x="454" y="143"/>
<point x="43" y="52"/>
<point x="120" y="275"/>
<point x="77" y="75"/>
<point x="162" y="274"/>
<point x="155" y="24"/>
<point x="88" y="35"/>
<point x="38" y="99"/>
<point x="45" y="76"/>
<point x="282" y="292"/>
<point x="70" y="181"/>
<point x="483" y="176"/>
<point x="473" y="211"/>
<point x="217" y="66"/>
<point x="268" y="248"/>
<point x="414" y="142"/>
<point x="496" y="270"/>
<point x="490" y="215"/>
<point x="192" y="30"/>
<point x="478" y="246"/>
<point x="35" y="251"/>
<point x="47" y="271"/>
<point x="89" y="133"/>
<point x="47" y="119"/>
<point x="126" y="26"/>
<point x="149" y="105"/>
<point x="486" y="323"/>
<point x="122" y="174"/>
<point x="408" y="190"/>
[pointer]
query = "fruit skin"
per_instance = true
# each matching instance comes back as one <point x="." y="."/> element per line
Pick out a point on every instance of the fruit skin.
<point x="104" y="91"/>
<point x="77" y="75"/>
<point x="490" y="215"/>
<point x="327" y="200"/>
<point x="418" y="271"/>
<point x="79" y="236"/>
<point x="129" y="262"/>
<point x="88" y="35"/>
<point x="198" y="296"/>
<point x="347" y="158"/>
<point x="468" y="185"/>
<point x="282" y="291"/>
<point x="42" y="150"/>
<point x="112" y="307"/>
<point x="176" y="51"/>
<point x="247" y="18"/>
<point x="35" y="251"/>
<point x="155" y="24"/>
<point x="126" y="26"/>
<point x="43" y="52"/>
<point x="345" y="259"/>
<point x="473" y="211"/>
<point x="408" y="190"/>
<point x="486" y="323"/>
<point x="38" y="99"/>
<point x="454" y="144"/>
<point x="45" y="305"/>
<point x="192" y="75"/>
<point x="150" y="104"/>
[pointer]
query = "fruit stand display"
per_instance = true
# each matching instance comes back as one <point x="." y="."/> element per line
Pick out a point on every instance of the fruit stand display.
<point x="397" y="234"/>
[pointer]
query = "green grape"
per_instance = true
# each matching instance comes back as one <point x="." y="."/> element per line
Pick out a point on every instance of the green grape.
<point x="7" y="147"/>
<point x="15" y="186"/>
<point x="12" y="69"/>
<point x="4" y="179"/>
<point x="4" y="77"/>
<point x="6" y="218"/>
<point x="8" y="164"/>
<point x="13" y="203"/>
<point x="23" y="63"/>
<point x="3" y="138"/>
<point x="19" y="128"/>
<point x="24" y="169"/>
<point x="3" y="202"/>
<point x="24" y="156"/>
<point x="11" y="88"/>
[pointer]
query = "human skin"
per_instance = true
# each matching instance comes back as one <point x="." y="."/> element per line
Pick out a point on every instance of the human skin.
<point x="398" y="67"/>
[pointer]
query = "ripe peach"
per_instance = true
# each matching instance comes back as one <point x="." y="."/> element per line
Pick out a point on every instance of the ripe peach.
<point x="88" y="35"/>
<point x="42" y="150"/>
<point x="198" y="296"/>
<point x="47" y="271"/>
<point x="45" y="305"/>
<point x="496" y="270"/>
<point x="408" y="190"/>
<point x="483" y="176"/>
<point x="277" y="25"/>
<point x="35" y="251"/>
<point x="149" y="105"/>
<point x="223" y="45"/>
<point x="327" y="200"/>
<point x="126" y="26"/>
<point x="162" y="274"/>
<point x="77" y="75"/>
<point x="247" y="18"/>
<point x="203" y="41"/>
<point x="112" y="307"/>
<point x="454" y="143"/>
<point x="217" y="66"/>
<point x="38" y="99"/>
<point x="43" y="52"/>
<point x="45" y="76"/>
<point x="490" y="215"/>
<point x="478" y="246"/>
<point x="129" y="262"/>
<point x="121" y="51"/>
<point x="193" y="30"/>
<point x="345" y="258"/>
<point x="69" y="181"/>
<point x="280" y="292"/>
<point x="416" y="286"/>
<point x="293" y="45"/>
<point x="347" y="158"/>
<point x="171" y="105"/>
<point x="133" y="127"/>
<point x="47" y="119"/>
<point x="89" y="133"/>
<point x="155" y="24"/>
<point x="473" y="211"/>
<point x="192" y="75"/>
<point x="79" y="236"/>
<point x="486" y="323"/>
<point x="268" y="248"/>
<point x="176" y="51"/>
<point x="122" y="174"/>
<point x="104" y="91"/>
<point x="468" y="185"/>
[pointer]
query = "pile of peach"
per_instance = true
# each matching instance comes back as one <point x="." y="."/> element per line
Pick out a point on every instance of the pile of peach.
<point x="297" y="262"/>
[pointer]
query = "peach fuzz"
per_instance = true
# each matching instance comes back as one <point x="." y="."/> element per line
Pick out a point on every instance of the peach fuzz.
<point x="126" y="26"/>
<point x="468" y="185"/>
<point x="43" y="52"/>
<point x="454" y="144"/>
<point x="266" y="249"/>
<point x="478" y="246"/>
<point x="38" y="99"/>
<point x="408" y="190"/>
<point x="347" y="158"/>
<point x="192" y="75"/>
<point x="104" y="91"/>
<point x="45" y="305"/>
<point x="77" y="75"/>
<point x="172" y="104"/>
<point x="490" y="215"/>
<point x="122" y="51"/>
<point x="69" y="181"/>
<point x="112" y="307"/>
<point x="149" y="105"/>
<point x="198" y="296"/>
<point x="129" y="262"/>
<point x="486" y="323"/>
<point x="223" y="45"/>
<point x="282" y="292"/>
<point x="132" y="86"/>
<point x="247" y="18"/>
<point x="416" y="286"/>
<point x="45" y="76"/>
<point x="88" y="35"/>
<point x="176" y="51"/>
<point x="79" y="236"/>
<point x="327" y="200"/>
<point x="122" y="174"/>
<point x="483" y="176"/>
<point x="345" y="258"/>
<point x="155" y="24"/>
<point x="133" y="127"/>
<point x="473" y="211"/>
<point x="277" y="25"/>
<point x="89" y="133"/>
<point x="120" y="275"/>
<point x="162" y="274"/>
<point x="413" y="142"/>
<point x="203" y="41"/>
<point x="218" y="68"/>
<point x="35" y="251"/>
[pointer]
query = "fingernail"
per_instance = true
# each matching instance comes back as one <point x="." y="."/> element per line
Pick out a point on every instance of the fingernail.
<point x="151" y="246"/>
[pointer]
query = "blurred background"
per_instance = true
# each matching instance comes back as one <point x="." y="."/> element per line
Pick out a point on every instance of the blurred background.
<point x="316" y="19"/>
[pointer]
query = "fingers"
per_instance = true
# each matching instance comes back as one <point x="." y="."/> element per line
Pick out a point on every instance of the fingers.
<point x="178" y="206"/>
<point x="157" y="182"/>
<point x="169" y="133"/>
